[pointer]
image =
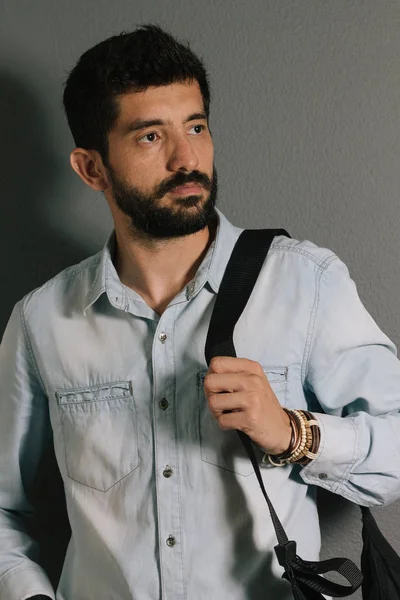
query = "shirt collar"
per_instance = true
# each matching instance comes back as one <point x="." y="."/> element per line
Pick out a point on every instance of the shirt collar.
<point x="106" y="279"/>
<point x="211" y="270"/>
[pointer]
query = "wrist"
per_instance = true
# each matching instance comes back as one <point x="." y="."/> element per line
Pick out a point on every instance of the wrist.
<point x="288" y="438"/>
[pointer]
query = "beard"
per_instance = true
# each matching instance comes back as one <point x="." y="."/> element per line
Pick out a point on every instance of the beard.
<point x="183" y="216"/>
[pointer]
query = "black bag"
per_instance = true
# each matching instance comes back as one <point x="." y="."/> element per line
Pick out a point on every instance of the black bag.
<point x="380" y="563"/>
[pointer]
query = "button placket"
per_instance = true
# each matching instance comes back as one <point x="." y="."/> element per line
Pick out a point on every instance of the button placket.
<point x="167" y="479"/>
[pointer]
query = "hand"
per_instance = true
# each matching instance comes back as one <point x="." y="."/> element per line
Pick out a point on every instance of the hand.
<point x="240" y="397"/>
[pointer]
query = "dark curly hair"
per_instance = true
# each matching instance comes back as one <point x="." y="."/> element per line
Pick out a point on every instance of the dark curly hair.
<point x="148" y="56"/>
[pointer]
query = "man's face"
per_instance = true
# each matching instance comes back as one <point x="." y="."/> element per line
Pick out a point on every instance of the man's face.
<point x="160" y="161"/>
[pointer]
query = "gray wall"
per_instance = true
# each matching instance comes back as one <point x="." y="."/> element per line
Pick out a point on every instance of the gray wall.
<point x="306" y="123"/>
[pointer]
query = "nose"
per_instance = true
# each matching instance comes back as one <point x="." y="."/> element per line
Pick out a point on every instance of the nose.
<point x="182" y="156"/>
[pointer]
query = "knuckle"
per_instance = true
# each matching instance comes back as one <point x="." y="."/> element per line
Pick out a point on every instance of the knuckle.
<point x="255" y="381"/>
<point x="216" y="363"/>
<point x="207" y="381"/>
<point x="258" y="368"/>
<point x="222" y="422"/>
<point x="251" y="421"/>
<point x="212" y="401"/>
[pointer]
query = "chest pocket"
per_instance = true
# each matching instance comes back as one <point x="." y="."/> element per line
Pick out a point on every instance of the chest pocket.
<point x="99" y="430"/>
<point x="224" y="449"/>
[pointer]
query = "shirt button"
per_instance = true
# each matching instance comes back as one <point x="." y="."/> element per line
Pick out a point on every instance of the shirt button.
<point x="163" y="404"/>
<point x="167" y="471"/>
<point x="322" y="476"/>
<point x="171" y="541"/>
<point x="190" y="290"/>
<point x="162" y="337"/>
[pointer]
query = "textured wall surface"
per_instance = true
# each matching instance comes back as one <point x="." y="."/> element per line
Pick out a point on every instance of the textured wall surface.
<point x="306" y="123"/>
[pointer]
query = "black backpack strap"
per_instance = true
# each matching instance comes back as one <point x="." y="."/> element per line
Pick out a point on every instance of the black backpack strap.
<point x="240" y="276"/>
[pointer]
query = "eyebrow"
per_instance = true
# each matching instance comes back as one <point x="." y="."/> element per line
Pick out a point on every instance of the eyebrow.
<point x="139" y="124"/>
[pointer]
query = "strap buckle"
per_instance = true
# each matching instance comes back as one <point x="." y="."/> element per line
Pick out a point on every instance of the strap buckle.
<point x="286" y="552"/>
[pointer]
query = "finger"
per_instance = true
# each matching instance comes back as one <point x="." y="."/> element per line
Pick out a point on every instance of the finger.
<point x="232" y="420"/>
<point x="230" y="364"/>
<point x="215" y="383"/>
<point x="220" y="403"/>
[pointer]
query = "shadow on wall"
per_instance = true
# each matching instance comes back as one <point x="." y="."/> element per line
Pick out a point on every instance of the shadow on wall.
<point x="29" y="177"/>
<point x="31" y="254"/>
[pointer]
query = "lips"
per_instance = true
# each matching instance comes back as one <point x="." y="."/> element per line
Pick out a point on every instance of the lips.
<point x="188" y="188"/>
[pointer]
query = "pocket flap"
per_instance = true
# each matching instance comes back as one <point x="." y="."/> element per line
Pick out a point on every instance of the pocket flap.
<point x="95" y="393"/>
<point x="274" y="375"/>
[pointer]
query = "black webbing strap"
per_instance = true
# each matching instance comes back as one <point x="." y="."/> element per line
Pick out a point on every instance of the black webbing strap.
<point x="240" y="276"/>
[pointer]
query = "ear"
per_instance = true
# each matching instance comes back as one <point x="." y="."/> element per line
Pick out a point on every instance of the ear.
<point x="89" y="166"/>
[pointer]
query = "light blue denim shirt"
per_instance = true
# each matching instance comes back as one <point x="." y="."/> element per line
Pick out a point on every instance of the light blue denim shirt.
<point x="162" y="503"/>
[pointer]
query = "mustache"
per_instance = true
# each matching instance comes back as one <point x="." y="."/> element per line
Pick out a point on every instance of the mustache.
<point x="183" y="179"/>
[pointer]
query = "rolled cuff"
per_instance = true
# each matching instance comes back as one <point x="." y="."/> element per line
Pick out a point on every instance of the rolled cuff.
<point x="21" y="583"/>
<point x="337" y="454"/>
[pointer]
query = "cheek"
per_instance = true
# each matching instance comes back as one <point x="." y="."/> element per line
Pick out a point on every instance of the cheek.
<point x="208" y="154"/>
<point x="138" y="171"/>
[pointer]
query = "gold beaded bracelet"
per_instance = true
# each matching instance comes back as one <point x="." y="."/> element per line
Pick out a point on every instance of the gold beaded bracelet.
<point x="304" y="440"/>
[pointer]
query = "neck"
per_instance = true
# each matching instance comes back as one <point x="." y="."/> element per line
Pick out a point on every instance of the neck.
<point x="159" y="269"/>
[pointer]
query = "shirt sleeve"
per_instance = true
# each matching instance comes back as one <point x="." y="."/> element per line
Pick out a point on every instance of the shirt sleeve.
<point x="354" y="375"/>
<point x="24" y="430"/>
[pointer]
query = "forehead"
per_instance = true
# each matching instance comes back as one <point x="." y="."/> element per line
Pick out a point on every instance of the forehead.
<point x="174" y="101"/>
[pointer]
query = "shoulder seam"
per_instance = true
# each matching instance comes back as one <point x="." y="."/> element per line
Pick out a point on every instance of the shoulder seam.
<point x="29" y="346"/>
<point x="321" y="263"/>
<point x="313" y="315"/>
<point x="310" y="328"/>
<point x="91" y="261"/>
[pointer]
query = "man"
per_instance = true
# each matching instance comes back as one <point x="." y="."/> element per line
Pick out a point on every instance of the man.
<point x="108" y="357"/>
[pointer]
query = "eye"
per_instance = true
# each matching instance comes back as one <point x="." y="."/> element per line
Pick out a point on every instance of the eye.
<point x="197" y="129"/>
<point x="148" y="138"/>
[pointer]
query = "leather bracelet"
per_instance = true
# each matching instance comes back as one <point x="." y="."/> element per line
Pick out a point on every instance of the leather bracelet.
<point x="293" y="439"/>
<point x="304" y="442"/>
<point x="311" y="454"/>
